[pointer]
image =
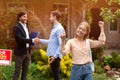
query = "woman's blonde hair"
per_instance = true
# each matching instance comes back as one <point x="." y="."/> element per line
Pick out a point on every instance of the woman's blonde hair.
<point x="87" y="28"/>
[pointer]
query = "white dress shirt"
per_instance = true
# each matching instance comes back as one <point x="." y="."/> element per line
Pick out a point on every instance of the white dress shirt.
<point x="26" y="31"/>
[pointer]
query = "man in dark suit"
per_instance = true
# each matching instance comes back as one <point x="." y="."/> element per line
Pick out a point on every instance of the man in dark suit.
<point x="22" y="49"/>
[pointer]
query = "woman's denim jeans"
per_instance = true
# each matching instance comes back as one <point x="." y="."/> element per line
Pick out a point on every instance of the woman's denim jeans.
<point x="81" y="72"/>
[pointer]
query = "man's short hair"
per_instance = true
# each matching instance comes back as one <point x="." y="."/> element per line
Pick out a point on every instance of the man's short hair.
<point x="57" y="13"/>
<point x="21" y="14"/>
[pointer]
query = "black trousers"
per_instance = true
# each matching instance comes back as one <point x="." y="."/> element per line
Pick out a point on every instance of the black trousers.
<point x="21" y="63"/>
<point x="55" y="67"/>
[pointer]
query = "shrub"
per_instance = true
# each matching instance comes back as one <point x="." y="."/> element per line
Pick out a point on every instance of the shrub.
<point x="113" y="60"/>
<point x="65" y="66"/>
<point x="7" y="72"/>
<point x="98" y="67"/>
<point x="35" y="56"/>
<point x="100" y="77"/>
<point x="44" y="67"/>
<point x="107" y="60"/>
<point x="43" y="64"/>
<point x="32" y="72"/>
<point x="97" y="53"/>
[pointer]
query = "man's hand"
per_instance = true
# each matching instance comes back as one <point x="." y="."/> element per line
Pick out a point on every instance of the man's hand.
<point x="52" y="59"/>
<point x="63" y="36"/>
<point x="36" y="40"/>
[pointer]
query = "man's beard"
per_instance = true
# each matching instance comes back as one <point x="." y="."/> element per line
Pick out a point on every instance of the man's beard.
<point x="24" y="21"/>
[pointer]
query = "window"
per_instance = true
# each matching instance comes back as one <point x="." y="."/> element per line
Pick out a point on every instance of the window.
<point x="113" y="26"/>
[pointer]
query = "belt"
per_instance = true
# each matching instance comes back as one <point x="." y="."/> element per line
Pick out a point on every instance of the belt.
<point x="81" y="64"/>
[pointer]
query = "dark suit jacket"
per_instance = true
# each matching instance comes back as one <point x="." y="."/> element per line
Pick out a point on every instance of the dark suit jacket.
<point x="20" y="38"/>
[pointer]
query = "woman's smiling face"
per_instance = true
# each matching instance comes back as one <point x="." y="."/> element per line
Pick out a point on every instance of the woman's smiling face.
<point x="81" y="31"/>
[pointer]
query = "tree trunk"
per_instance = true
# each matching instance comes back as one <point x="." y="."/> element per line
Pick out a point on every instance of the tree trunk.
<point x="83" y="14"/>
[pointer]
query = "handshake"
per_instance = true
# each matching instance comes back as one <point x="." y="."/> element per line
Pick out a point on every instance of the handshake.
<point x="36" y="40"/>
<point x="34" y="36"/>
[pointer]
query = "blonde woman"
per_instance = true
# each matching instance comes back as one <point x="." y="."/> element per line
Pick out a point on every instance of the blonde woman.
<point x="79" y="47"/>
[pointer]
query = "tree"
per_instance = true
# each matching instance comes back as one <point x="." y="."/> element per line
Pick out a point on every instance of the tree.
<point x="107" y="14"/>
<point x="9" y="20"/>
<point x="110" y="2"/>
<point x="86" y="6"/>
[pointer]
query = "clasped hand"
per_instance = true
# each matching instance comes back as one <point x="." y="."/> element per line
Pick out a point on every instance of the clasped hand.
<point x="36" y="40"/>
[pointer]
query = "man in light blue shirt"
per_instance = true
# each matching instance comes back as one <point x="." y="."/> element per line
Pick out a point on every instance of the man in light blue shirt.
<point x="54" y="43"/>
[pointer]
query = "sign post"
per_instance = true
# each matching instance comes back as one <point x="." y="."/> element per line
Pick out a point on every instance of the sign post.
<point x="5" y="59"/>
<point x="0" y="72"/>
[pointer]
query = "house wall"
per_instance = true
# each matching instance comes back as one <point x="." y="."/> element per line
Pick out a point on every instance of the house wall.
<point x="42" y="9"/>
<point x="113" y="37"/>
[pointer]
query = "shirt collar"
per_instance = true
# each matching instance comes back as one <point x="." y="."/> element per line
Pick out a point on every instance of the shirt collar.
<point x="56" y="25"/>
<point x="24" y="25"/>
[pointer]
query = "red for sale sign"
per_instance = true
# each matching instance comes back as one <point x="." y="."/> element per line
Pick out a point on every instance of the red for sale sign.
<point x="5" y="57"/>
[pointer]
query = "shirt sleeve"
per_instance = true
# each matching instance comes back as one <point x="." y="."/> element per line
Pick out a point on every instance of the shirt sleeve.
<point x="58" y="52"/>
<point x="44" y="41"/>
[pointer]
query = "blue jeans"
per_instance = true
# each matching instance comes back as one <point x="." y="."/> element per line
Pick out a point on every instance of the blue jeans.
<point x="81" y="72"/>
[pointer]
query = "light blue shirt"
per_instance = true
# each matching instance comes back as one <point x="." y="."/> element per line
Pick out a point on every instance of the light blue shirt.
<point x="54" y="41"/>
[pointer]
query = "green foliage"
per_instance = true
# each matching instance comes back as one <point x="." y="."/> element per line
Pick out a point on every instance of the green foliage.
<point x="117" y="13"/>
<point x="45" y="48"/>
<point x="98" y="67"/>
<point x="97" y="53"/>
<point x="113" y="1"/>
<point x="97" y="76"/>
<point x="9" y="19"/>
<point x="107" y="60"/>
<point x="3" y="45"/>
<point x="65" y="66"/>
<point x="35" y="56"/>
<point x="41" y="69"/>
<point x="88" y="17"/>
<point x="107" y="15"/>
<point x="33" y="74"/>
<point x="7" y="72"/>
<point x="94" y="1"/>
<point x="44" y="67"/>
<point x="113" y="60"/>
<point x="43" y="64"/>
